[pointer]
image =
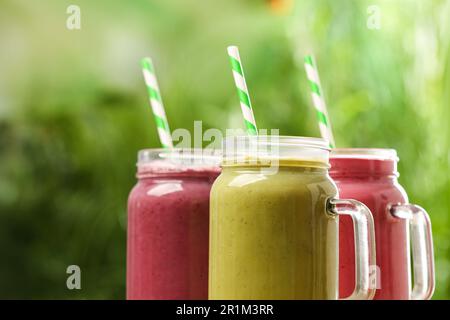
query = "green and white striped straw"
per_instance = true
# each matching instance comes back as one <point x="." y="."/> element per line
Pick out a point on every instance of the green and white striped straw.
<point x="319" y="100"/>
<point x="244" y="97"/>
<point x="156" y="103"/>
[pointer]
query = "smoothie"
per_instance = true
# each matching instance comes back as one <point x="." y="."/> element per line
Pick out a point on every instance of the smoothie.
<point x="168" y="226"/>
<point x="271" y="236"/>
<point x="371" y="177"/>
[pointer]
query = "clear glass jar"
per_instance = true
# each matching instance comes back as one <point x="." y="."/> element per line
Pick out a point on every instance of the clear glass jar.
<point x="168" y="224"/>
<point x="370" y="176"/>
<point x="274" y="223"/>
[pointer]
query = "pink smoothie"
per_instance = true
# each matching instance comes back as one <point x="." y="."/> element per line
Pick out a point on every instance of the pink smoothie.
<point x="168" y="233"/>
<point x="372" y="179"/>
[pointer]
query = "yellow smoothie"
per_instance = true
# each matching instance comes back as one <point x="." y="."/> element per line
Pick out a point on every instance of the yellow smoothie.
<point x="270" y="234"/>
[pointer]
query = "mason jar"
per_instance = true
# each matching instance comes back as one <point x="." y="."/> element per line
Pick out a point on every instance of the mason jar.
<point x="371" y="176"/>
<point x="274" y="223"/>
<point x="168" y="224"/>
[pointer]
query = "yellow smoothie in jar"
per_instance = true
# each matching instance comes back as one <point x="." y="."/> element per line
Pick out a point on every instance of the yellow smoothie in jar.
<point x="270" y="234"/>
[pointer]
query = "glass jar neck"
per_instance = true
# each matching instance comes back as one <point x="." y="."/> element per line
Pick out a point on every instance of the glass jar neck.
<point x="178" y="163"/>
<point x="348" y="167"/>
<point x="275" y="151"/>
<point x="198" y="173"/>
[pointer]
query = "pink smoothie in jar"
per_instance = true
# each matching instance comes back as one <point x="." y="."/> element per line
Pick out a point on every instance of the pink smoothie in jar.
<point x="370" y="176"/>
<point x="168" y="224"/>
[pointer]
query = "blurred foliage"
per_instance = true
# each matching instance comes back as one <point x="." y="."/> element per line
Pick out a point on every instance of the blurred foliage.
<point x="74" y="111"/>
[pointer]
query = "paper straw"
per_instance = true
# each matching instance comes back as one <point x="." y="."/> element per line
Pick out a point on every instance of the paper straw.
<point x="244" y="97"/>
<point x="156" y="103"/>
<point x="319" y="100"/>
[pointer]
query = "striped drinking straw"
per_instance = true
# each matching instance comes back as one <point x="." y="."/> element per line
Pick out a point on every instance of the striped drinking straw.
<point x="319" y="100"/>
<point x="156" y="103"/>
<point x="244" y="97"/>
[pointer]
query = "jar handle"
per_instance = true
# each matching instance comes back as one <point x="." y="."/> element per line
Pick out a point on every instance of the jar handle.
<point x="422" y="248"/>
<point x="364" y="233"/>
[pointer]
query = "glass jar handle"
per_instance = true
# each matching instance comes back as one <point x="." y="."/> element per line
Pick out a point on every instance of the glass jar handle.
<point x="422" y="248"/>
<point x="364" y="233"/>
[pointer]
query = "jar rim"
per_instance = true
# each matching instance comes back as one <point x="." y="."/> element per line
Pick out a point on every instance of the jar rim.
<point x="274" y="150"/>
<point x="179" y="158"/>
<point x="294" y="141"/>
<point x="365" y="153"/>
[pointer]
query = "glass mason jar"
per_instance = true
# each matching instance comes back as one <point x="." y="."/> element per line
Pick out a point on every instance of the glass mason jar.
<point x="370" y="176"/>
<point x="168" y="224"/>
<point x="274" y="223"/>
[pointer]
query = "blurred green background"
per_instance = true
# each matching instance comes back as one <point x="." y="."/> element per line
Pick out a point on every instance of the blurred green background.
<point x="74" y="111"/>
